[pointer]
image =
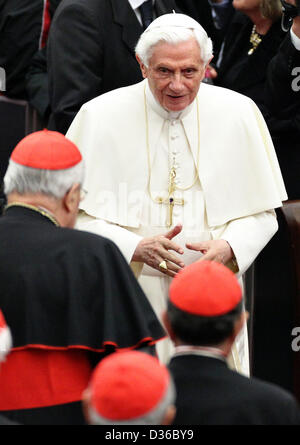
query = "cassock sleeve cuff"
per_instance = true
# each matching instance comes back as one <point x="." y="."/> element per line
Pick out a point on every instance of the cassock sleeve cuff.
<point x="248" y="236"/>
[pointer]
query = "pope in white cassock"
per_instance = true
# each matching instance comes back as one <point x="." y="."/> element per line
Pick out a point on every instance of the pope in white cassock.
<point x="178" y="170"/>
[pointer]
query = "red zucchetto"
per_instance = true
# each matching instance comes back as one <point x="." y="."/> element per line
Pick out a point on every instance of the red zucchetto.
<point x="48" y="150"/>
<point x="205" y="288"/>
<point x="128" y="385"/>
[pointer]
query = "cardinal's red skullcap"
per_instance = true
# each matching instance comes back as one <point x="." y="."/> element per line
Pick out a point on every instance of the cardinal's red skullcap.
<point x="128" y="385"/>
<point x="205" y="288"/>
<point x="48" y="150"/>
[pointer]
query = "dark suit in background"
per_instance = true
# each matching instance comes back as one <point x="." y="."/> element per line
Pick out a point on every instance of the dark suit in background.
<point x="282" y="97"/>
<point x="36" y="79"/>
<point x="90" y="52"/>
<point x="276" y="286"/>
<point x="243" y="73"/>
<point x="23" y="35"/>
<point x="209" y="393"/>
<point x="23" y="32"/>
<point x="202" y="12"/>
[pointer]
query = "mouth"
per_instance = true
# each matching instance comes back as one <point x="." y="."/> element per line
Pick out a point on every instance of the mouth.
<point x="175" y="97"/>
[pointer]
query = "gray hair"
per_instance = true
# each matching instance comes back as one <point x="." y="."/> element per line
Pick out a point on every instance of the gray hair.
<point x="154" y="417"/>
<point x="53" y="183"/>
<point x="173" y="35"/>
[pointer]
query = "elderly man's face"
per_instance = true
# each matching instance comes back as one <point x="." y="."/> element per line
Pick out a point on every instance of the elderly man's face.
<point x="175" y="73"/>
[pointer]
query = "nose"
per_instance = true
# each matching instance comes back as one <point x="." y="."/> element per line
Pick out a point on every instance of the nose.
<point x="176" y="83"/>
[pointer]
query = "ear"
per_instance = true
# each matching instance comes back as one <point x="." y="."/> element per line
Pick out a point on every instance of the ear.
<point x="72" y="198"/>
<point x="143" y="67"/>
<point x="207" y="67"/>
<point x="167" y="325"/>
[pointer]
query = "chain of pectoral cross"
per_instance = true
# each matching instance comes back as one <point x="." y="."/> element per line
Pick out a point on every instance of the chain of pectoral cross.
<point x="170" y="200"/>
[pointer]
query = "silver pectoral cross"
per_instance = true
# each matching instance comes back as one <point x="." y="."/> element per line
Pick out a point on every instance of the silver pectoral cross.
<point x="170" y="200"/>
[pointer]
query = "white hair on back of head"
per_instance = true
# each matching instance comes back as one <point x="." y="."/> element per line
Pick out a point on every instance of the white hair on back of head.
<point x="172" y="35"/>
<point x="53" y="183"/>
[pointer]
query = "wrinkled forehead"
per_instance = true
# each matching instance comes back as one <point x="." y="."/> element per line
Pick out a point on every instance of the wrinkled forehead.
<point x="184" y="53"/>
<point x="175" y="29"/>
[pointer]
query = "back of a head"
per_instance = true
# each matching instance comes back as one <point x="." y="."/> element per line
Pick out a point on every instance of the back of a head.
<point x="205" y="300"/>
<point x="173" y="29"/>
<point x="44" y="162"/>
<point x="129" y="388"/>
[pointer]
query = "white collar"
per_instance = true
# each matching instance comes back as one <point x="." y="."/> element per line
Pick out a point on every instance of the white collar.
<point x="136" y="3"/>
<point x="199" y="350"/>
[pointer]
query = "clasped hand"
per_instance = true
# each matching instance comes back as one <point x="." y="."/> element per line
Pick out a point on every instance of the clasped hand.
<point x="153" y="250"/>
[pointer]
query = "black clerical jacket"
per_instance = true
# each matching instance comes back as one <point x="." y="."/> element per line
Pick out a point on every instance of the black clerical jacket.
<point x="209" y="393"/>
